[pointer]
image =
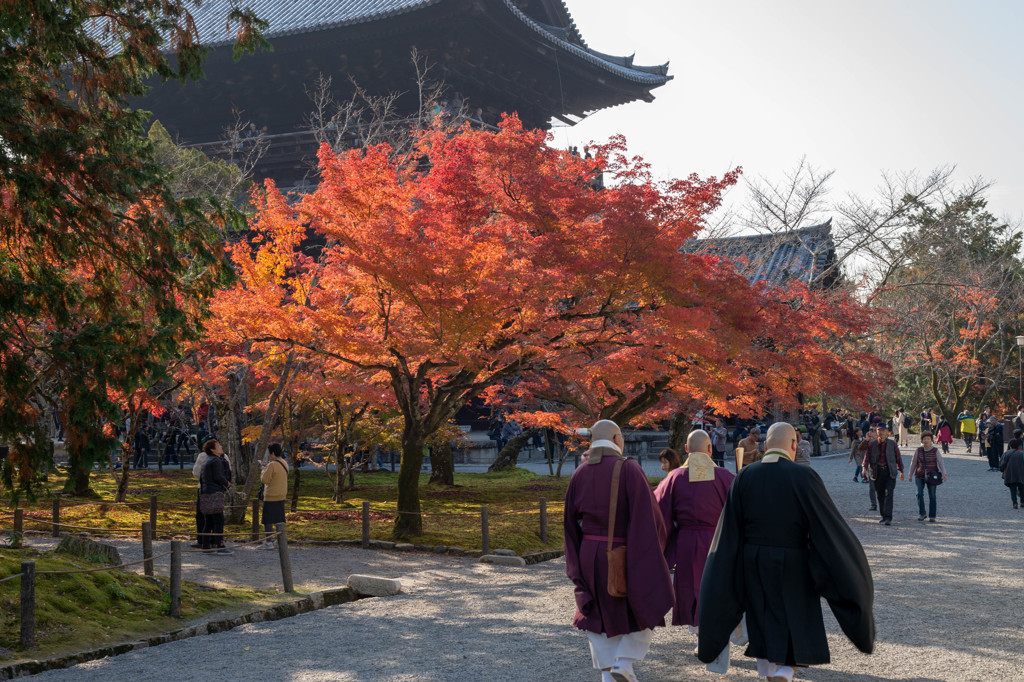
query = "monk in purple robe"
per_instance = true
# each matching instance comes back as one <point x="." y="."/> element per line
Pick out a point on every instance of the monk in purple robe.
<point x="691" y="500"/>
<point x="619" y="629"/>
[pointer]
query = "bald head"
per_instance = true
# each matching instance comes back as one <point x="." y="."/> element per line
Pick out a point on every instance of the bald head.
<point x="698" y="441"/>
<point x="606" y="430"/>
<point x="781" y="436"/>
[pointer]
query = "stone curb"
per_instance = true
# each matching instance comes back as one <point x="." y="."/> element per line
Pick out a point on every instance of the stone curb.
<point x="502" y="560"/>
<point x="373" y="586"/>
<point x="534" y="558"/>
<point x="311" y="602"/>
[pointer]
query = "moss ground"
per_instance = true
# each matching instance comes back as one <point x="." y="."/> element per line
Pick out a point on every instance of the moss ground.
<point x="451" y="514"/>
<point x="87" y="610"/>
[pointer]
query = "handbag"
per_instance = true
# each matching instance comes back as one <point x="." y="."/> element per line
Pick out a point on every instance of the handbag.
<point x="616" y="555"/>
<point x="933" y="477"/>
<point x="211" y="503"/>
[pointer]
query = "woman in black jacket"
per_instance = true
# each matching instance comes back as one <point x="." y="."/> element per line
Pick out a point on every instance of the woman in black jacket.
<point x="214" y="478"/>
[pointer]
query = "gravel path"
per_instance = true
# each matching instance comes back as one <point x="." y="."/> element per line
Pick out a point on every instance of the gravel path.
<point x="946" y="606"/>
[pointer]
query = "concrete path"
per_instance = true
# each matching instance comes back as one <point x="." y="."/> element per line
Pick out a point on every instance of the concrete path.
<point x="946" y="605"/>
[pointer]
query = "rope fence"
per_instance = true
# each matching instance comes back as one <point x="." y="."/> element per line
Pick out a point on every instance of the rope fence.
<point x="342" y="516"/>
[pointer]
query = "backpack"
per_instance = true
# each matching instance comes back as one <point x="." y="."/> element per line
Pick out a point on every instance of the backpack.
<point x="907" y="421"/>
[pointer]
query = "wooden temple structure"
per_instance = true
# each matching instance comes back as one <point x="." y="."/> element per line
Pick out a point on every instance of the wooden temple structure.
<point x="806" y="254"/>
<point x="523" y="56"/>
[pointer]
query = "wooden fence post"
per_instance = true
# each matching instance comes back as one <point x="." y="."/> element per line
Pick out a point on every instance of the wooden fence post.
<point x="56" y="517"/>
<point x="175" y="610"/>
<point x="147" y="548"/>
<point x="28" y="604"/>
<point x="19" y="525"/>
<point x="286" y="562"/>
<point x="366" y="525"/>
<point x="255" y="520"/>
<point x="485" y="534"/>
<point x="543" y="519"/>
<point x="152" y="514"/>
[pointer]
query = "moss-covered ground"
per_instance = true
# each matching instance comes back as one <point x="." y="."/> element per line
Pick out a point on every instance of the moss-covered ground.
<point x="76" y="612"/>
<point x="451" y="514"/>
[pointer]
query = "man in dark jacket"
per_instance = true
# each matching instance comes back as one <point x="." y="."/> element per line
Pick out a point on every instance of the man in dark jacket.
<point x="1012" y="466"/>
<point x="883" y="460"/>
<point x="780" y="546"/>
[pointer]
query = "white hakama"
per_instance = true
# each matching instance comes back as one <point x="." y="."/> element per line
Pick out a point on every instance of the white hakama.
<point x="622" y="650"/>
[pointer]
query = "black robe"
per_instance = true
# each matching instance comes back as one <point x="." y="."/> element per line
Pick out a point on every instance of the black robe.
<point x="780" y="545"/>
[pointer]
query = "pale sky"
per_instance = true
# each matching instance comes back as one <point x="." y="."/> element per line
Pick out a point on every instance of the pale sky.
<point x="859" y="86"/>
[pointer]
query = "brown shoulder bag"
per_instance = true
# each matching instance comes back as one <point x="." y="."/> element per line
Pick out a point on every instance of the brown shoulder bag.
<point x="616" y="555"/>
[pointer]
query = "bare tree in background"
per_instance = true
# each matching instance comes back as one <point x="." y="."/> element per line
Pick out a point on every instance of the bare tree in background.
<point x="365" y="119"/>
<point x="865" y="231"/>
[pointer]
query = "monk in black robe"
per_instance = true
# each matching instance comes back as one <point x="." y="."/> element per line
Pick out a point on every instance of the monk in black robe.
<point x="780" y="546"/>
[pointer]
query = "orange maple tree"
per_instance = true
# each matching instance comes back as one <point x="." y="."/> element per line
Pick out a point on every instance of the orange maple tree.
<point x="490" y="264"/>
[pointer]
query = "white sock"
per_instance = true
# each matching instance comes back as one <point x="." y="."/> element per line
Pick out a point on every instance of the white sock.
<point x="785" y="671"/>
<point x="606" y="676"/>
<point x="624" y="664"/>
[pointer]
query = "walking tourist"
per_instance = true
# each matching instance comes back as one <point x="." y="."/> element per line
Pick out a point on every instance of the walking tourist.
<point x="669" y="459"/>
<point x="944" y="435"/>
<point x="781" y="545"/>
<point x="691" y="500"/>
<point x="1012" y="466"/>
<point x="901" y="427"/>
<point x="927" y="469"/>
<point x="983" y="438"/>
<point x="856" y="454"/>
<point x="968" y="428"/>
<point x="850" y="425"/>
<point x="994" y="445"/>
<point x="619" y="628"/>
<point x="275" y="489"/>
<point x="214" y="481"/>
<point x="883" y="461"/>
<point x="859" y="452"/>
<point x="719" y="439"/>
<point x="926" y="419"/>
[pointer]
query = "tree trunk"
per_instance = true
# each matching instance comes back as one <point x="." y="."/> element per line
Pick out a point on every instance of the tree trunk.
<point x="339" y="472"/>
<point x="508" y="458"/>
<point x="561" y="460"/>
<point x="679" y="428"/>
<point x="232" y="424"/>
<point x="442" y="465"/>
<point x="126" y="463"/>
<point x="242" y="497"/>
<point x="409" y="523"/>
<point x="547" y="451"/>
<point x="296" y="478"/>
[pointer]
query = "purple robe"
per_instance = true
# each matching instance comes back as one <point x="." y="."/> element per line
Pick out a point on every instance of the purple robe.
<point x="691" y="512"/>
<point x="638" y="522"/>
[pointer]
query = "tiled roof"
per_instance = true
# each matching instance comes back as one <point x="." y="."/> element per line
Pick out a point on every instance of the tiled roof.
<point x="290" y="17"/>
<point x="804" y="254"/>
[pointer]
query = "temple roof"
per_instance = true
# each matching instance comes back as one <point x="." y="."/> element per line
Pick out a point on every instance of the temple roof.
<point x="492" y="56"/>
<point x="296" y="17"/>
<point x="805" y="254"/>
